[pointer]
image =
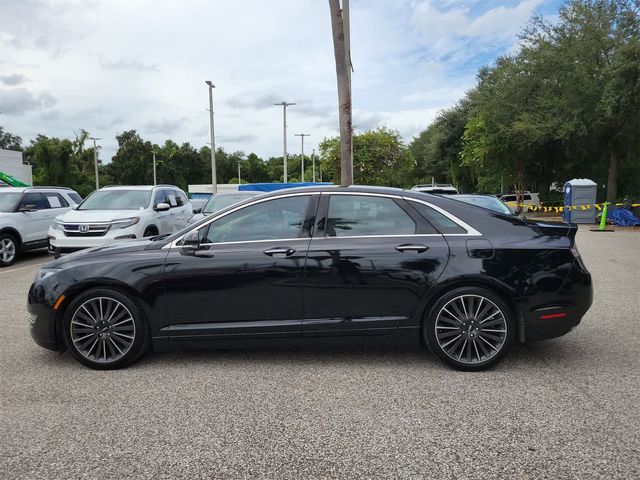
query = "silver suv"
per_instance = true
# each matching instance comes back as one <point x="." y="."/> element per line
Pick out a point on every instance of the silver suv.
<point x="25" y="216"/>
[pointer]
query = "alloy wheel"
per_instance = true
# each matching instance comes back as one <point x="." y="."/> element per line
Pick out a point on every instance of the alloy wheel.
<point x="471" y="329"/>
<point x="102" y="330"/>
<point x="7" y="250"/>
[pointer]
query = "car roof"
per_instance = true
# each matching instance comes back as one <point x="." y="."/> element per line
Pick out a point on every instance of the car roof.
<point x="36" y="189"/>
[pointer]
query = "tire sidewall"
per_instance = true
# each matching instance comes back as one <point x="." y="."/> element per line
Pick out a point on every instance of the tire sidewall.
<point x="140" y="341"/>
<point x="4" y="236"/>
<point x="429" y="333"/>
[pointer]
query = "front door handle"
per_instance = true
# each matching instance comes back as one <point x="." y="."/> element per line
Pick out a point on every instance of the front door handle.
<point x="280" y="252"/>
<point x="411" y="247"/>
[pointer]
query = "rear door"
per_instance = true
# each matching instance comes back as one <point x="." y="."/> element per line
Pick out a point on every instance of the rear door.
<point x="371" y="262"/>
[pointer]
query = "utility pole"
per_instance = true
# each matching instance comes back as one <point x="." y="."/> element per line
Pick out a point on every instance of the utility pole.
<point x="302" y="135"/>
<point x="154" y="167"/>
<point x="95" y="159"/>
<point x="313" y="162"/>
<point x="214" y="181"/>
<point x="239" y="178"/>
<point x="342" y="54"/>
<point x="284" y="105"/>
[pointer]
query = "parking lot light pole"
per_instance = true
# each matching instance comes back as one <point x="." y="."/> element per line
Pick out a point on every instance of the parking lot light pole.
<point x="302" y="135"/>
<point x="154" y="167"/>
<point x="284" y="105"/>
<point x="95" y="159"/>
<point x="313" y="162"/>
<point x="214" y="181"/>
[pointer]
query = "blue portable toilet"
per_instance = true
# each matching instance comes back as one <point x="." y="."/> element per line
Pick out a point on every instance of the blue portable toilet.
<point x="579" y="191"/>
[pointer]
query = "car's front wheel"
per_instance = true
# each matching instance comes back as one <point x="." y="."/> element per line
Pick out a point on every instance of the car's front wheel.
<point x="8" y="250"/>
<point x="104" y="329"/>
<point x="470" y="328"/>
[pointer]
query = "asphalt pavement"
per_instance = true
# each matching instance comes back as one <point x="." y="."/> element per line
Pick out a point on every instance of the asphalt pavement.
<point x="564" y="408"/>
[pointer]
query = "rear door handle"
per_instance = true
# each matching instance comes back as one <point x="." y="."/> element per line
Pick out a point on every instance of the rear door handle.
<point x="410" y="247"/>
<point x="280" y="252"/>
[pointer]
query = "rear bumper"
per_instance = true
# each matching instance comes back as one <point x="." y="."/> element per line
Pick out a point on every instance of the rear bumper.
<point x="562" y="311"/>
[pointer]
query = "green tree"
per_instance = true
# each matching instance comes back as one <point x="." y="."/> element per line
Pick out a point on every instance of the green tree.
<point x="379" y="158"/>
<point x="10" y="141"/>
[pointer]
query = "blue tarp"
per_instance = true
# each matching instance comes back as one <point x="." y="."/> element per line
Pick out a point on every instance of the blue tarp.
<point x="270" y="187"/>
<point x="623" y="218"/>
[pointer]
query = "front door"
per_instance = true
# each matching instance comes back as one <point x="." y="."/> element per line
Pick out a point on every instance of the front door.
<point x="36" y="217"/>
<point x="370" y="264"/>
<point x="246" y="279"/>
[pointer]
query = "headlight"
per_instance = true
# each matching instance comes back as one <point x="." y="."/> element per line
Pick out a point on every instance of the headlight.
<point x="44" y="273"/>
<point x="57" y="225"/>
<point x="125" y="222"/>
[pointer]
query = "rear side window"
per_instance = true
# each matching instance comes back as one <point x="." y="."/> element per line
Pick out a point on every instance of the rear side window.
<point x="75" y="197"/>
<point x="441" y="222"/>
<point x="361" y="215"/>
<point x="171" y="197"/>
<point x="35" y="201"/>
<point x="56" y="200"/>
<point x="182" y="198"/>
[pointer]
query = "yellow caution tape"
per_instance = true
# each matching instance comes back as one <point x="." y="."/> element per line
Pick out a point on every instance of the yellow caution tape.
<point x="562" y="208"/>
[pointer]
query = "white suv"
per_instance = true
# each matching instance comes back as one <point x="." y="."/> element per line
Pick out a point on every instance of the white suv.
<point x="120" y="213"/>
<point x="26" y="214"/>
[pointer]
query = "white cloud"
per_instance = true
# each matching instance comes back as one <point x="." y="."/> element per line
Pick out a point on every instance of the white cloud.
<point x="121" y="65"/>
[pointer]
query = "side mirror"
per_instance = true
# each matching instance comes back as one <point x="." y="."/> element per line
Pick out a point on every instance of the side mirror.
<point x="28" y="208"/>
<point x="190" y="243"/>
<point x="197" y="210"/>
<point x="162" y="207"/>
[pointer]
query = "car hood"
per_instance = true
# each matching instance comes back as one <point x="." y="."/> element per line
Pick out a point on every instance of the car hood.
<point x="95" y="216"/>
<point x="127" y="246"/>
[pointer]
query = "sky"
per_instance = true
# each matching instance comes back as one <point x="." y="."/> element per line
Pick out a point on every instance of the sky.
<point x="114" y="65"/>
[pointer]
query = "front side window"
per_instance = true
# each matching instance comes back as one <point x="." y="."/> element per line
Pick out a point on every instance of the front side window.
<point x="171" y="198"/>
<point x="160" y="197"/>
<point x="116" y="199"/>
<point x="224" y="200"/>
<point x="34" y="201"/>
<point x="361" y="215"/>
<point x="271" y="220"/>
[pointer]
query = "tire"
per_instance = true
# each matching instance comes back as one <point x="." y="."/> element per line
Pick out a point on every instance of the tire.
<point x="470" y="328"/>
<point x="150" y="232"/>
<point x="109" y="340"/>
<point x="8" y="250"/>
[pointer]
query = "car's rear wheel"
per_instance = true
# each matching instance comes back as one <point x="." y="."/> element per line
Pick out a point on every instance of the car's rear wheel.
<point x="8" y="250"/>
<point x="470" y="328"/>
<point x="104" y="329"/>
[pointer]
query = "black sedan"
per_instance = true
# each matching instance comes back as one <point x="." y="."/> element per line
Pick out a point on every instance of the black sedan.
<point x="320" y="262"/>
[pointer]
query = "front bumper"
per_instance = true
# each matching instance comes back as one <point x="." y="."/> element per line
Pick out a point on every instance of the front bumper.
<point x="43" y="320"/>
<point x="59" y="243"/>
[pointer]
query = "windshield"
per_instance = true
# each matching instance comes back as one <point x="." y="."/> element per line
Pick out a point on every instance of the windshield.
<point x="117" y="200"/>
<point x="491" y="203"/>
<point x="218" y="202"/>
<point x="8" y="201"/>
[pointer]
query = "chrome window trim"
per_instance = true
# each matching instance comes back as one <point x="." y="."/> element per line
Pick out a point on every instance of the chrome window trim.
<point x="257" y="200"/>
<point x="471" y="232"/>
